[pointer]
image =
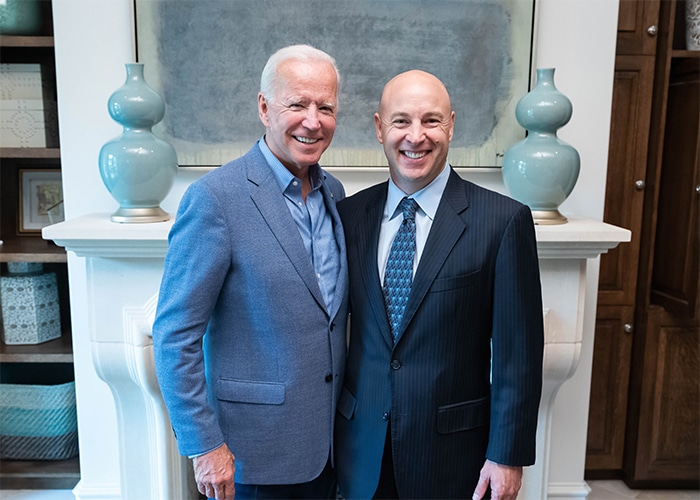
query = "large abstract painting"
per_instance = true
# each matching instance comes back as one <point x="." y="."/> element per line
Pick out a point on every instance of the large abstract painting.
<point x="205" y="58"/>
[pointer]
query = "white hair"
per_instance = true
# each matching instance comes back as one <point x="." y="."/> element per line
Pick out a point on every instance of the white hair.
<point x="269" y="78"/>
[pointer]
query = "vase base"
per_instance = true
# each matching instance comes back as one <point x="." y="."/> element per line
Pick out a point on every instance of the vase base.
<point x="140" y="215"/>
<point x="548" y="217"/>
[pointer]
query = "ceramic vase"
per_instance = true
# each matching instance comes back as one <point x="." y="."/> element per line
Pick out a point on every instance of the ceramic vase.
<point x="137" y="167"/>
<point x="692" y="24"/>
<point x="541" y="170"/>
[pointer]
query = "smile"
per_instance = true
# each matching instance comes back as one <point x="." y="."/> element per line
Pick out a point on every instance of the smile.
<point x="306" y="140"/>
<point x="414" y="155"/>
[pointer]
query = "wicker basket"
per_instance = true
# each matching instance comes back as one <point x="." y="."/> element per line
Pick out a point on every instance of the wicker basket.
<point x="38" y="422"/>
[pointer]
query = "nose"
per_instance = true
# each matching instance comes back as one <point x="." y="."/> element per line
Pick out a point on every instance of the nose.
<point x="415" y="133"/>
<point x="312" y="120"/>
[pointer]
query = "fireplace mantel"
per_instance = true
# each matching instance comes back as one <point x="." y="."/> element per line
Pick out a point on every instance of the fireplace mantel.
<point x="124" y="264"/>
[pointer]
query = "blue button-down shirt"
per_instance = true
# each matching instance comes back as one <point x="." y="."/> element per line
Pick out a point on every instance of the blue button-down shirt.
<point x="313" y="221"/>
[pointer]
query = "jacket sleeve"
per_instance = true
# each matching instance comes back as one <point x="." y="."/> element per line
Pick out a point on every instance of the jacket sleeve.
<point x="196" y="264"/>
<point x="517" y="345"/>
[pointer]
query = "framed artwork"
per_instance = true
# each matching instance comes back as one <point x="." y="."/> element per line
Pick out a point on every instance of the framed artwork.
<point x="205" y="58"/>
<point x="41" y="199"/>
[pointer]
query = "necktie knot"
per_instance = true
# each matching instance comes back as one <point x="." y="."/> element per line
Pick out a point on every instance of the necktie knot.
<point x="409" y="207"/>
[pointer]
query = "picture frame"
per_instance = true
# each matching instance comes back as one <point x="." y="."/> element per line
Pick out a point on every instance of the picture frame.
<point x="205" y="57"/>
<point x="40" y="200"/>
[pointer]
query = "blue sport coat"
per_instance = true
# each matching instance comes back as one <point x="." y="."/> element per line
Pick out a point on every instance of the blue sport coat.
<point x="246" y="351"/>
<point x="477" y="286"/>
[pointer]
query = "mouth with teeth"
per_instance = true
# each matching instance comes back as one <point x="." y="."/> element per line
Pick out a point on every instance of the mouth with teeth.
<point x="305" y="140"/>
<point x="414" y="155"/>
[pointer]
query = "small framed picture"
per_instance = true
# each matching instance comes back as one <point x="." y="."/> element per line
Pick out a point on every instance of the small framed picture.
<point x="41" y="199"/>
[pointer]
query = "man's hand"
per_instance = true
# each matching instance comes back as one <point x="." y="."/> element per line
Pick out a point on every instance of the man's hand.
<point x="505" y="481"/>
<point x="214" y="471"/>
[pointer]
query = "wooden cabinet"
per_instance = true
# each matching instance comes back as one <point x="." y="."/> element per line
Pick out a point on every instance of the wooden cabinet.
<point x="54" y="358"/>
<point x="644" y="411"/>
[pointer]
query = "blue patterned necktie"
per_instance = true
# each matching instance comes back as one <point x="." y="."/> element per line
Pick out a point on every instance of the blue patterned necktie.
<point x="399" y="268"/>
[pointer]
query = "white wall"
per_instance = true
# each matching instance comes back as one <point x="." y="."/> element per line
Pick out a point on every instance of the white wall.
<point x="94" y="38"/>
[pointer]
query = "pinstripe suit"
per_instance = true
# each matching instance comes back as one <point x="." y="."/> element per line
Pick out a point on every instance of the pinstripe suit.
<point x="477" y="285"/>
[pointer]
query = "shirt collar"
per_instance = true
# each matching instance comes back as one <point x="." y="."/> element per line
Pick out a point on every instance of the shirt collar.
<point x="284" y="176"/>
<point x="427" y="198"/>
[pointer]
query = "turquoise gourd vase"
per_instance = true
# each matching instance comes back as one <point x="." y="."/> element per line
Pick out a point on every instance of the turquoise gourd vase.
<point x="137" y="167"/>
<point x="541" y="170"/>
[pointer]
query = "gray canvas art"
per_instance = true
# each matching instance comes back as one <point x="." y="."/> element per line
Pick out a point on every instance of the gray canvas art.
<point x="205" y="58"/>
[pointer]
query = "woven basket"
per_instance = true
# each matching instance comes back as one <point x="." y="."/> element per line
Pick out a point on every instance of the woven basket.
<point x="38" y="422"/>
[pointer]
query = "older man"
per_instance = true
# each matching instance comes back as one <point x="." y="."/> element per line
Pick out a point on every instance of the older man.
<point x="249" y="335"/>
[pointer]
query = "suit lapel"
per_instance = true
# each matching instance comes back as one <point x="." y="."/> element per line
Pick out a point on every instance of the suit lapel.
<point x="269" y="200"/>
<point x="367" y="241"/>
<point x="446" y="230"/>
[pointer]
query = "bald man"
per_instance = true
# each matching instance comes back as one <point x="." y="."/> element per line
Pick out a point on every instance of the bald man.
<point x="442" y="382"/>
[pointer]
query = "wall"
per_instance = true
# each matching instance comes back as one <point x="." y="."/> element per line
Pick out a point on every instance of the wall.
<point x="94" y="39"/>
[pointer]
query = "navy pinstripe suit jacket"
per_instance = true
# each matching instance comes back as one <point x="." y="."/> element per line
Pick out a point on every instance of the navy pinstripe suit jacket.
<point x="474" y="313"/>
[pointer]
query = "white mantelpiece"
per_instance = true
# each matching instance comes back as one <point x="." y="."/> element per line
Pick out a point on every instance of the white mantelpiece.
<point x="124" y="263"/>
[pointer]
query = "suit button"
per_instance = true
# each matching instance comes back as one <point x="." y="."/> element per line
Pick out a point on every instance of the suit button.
<point x="332" y="326"/>
<point x="395" y="364"/>
<point x="385" y="417"/>
<point x="329" y="377"/>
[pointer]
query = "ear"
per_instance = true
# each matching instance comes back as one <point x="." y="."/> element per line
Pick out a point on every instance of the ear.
<point x="378" y="127"/>
<point x="452" y="126"/>
<point x="263" y="108"/>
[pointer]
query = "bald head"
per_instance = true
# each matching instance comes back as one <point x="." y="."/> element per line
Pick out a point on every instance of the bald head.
<point x="415" y="81"/>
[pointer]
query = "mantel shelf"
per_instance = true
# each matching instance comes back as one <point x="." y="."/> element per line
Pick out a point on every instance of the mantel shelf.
<point x="95" y="235"/>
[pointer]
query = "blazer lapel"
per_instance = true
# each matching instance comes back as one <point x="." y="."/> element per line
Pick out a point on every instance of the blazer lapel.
<point x="265" y="193"/>
<point x="446" y="230"/>
<point x="367" y="241"/>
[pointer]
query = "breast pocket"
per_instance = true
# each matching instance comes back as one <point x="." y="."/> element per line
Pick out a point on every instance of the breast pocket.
<point x="455" y="282"/>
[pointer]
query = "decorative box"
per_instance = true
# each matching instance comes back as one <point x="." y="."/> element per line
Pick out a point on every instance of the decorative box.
<point x="20" y="17"/>
<point x="22" y="117"/>
<point x="38" y="422"/>
<point x="30" y="308"/>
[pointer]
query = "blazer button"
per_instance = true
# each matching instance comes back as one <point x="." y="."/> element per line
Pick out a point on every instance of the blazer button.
<point x="329" y="377"/>
<point x="385" y="417"/>
<point x="395" y="364"/>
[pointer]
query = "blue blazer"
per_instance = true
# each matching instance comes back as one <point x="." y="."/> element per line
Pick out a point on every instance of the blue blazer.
<point x="239" y="282"/>
<point x="477" y="285"/>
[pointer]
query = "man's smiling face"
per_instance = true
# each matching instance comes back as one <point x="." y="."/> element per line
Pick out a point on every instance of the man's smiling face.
<point x="300" y="118"/>
<point x="415" y="123"/>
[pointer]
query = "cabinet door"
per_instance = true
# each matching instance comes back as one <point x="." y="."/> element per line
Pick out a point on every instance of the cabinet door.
<point x="626" y="177"/>
<point x="674" y="282"/>
<point x="667" y="436"/>
<point x="609" y="386"/>
<point x="637" y="27"/>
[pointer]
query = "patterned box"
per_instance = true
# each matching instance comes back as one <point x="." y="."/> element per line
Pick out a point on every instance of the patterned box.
<point x="22" y="120"/>
<point x="30" y="308"/>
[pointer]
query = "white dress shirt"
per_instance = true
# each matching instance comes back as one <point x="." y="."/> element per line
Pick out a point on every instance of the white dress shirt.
<point x="428" y="200"/>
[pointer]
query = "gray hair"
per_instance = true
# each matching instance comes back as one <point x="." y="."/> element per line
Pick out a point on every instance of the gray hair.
<point x="307" y="53"/>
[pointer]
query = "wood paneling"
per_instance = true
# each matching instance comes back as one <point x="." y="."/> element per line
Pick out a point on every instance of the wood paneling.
<point x="609" y="384"/>
<point x="636" y="19"/>
<point x="624" y="200"/>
